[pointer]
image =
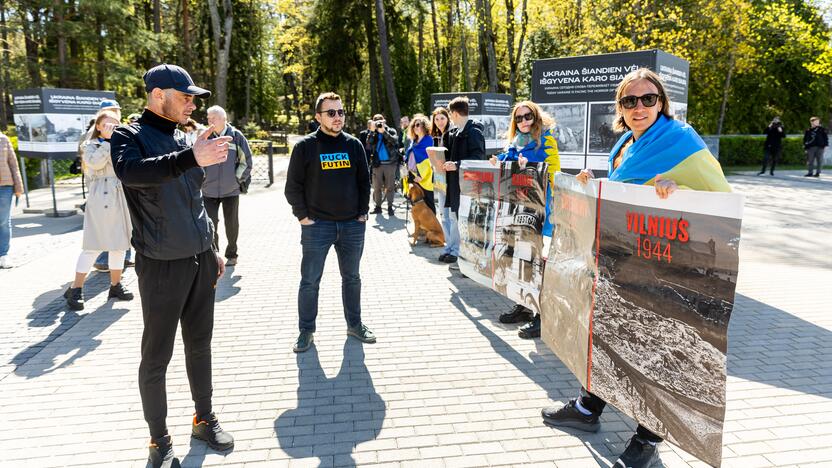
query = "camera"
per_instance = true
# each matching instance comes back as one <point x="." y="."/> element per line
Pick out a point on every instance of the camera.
<point x="379" y="124"/>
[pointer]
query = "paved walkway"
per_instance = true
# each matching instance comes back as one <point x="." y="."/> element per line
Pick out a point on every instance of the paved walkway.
<point x="446" y="385"/>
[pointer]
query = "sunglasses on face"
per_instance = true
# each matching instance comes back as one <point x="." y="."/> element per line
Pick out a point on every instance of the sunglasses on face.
<point x="521" y="118"/>
<point x="333" y="112"/>
<point x="417" y="124"/>
<point x="630" y="102"/>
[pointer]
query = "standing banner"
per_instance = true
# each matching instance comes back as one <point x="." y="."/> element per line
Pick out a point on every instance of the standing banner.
<point x="579" y="92"/>
<point x="636" y="300"/>
<point x="51" y="121"/>
<point x="502" y="210"/>
<point x="492" y="109"/>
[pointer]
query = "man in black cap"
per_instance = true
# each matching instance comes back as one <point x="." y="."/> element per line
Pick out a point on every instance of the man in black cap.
<point x="172" y="235"/>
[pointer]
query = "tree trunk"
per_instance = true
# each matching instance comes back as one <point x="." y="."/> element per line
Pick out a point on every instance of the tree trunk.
<point x="385" y="61"/>
<point x="450" y="65"/>
<point x="186" y="34"/>
<point x="436" y="49"/>
<point x="372" y="60"/>
<point x="99" y="64"/>
<point x="32" y="47"/>
<point x="464" y="43"/>
<point x="4" y="106"/>
<point x="222" y="45"/>
<point x="726" y="91"/>
<point x="58" y="17"/>
<point x="421" y="41"/>
<point x="487" y="39"/>
<point x="514" y="55"/>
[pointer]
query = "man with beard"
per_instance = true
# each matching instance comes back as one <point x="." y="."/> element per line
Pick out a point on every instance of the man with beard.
<point x="172" y="235"/>
<point x="328" y="186"/>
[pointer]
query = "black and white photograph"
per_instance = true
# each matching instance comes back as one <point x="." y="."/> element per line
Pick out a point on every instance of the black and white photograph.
<point x="665" y="277"/>
<point x="477" y="217"/>
<point x="602" y="137"/>
<point x="679" y="111"/>
<point x="494" y="130"/>
<point x="570" y="125"/>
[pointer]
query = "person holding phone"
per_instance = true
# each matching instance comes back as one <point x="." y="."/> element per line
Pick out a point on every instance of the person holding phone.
<point x="106" y="219"/>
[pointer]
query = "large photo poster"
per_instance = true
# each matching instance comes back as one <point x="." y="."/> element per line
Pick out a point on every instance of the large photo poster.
<point x="638" y="293"/>
<point x="501" y="216"/>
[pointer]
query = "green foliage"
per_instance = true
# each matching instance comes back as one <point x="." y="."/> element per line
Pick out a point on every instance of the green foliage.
<point x="748" y="150"/>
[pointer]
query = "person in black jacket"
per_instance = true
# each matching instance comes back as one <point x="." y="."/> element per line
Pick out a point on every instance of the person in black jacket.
<point x="328" y="187"/>
<point x="773" y="147"/>
<point x="172" y="235"/>
<point x="385" y="160"/>
<point x="815" y="141"/>
<point x="467" y="142"/>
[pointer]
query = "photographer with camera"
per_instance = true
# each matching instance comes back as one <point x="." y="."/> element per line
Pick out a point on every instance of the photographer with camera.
<point x="773" y="147"/>
<point x="385" y="162"/>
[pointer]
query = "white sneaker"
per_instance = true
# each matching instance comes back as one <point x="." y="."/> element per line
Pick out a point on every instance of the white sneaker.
<point x="5" y="262"/>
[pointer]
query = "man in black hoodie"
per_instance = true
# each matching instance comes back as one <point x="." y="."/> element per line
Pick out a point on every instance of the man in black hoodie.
<point x="815" y="141"/>
<point x="467" y="142"/>
<point x="328" y="186"/>
<point x="172" y="234"/>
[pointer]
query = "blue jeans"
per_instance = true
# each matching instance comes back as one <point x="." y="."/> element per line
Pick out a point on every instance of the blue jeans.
<point x="6" y="194"/>
<point x="104" y="258"/>
<point x="315" y="240"/>
<point x="450" y="224"/>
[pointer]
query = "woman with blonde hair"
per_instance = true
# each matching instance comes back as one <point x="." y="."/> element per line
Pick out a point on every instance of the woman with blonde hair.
<point x="440" y="130"/>
<point x="107" y="224"/>
<point x="530" y="140"/>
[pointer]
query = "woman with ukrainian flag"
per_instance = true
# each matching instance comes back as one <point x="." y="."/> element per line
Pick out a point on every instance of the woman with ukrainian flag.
<point x="532" y="141"/>
<point x="416" y="156"/>
<point x="667" y="154"/>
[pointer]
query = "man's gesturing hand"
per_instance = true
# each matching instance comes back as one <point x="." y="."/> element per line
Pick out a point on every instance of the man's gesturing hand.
<point x="209" y="152"/>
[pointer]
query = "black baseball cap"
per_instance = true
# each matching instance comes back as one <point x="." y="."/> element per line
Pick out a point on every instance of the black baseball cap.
<point x="166" y="76"/>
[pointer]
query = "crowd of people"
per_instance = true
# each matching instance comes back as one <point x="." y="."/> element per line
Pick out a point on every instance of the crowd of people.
<point x="147" y="175"/>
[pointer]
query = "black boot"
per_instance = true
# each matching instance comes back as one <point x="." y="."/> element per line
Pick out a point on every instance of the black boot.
<point x="74" y="298"/>
<point x="531" y="329"/>
<point x="120" y="292"/>
<point x="376" y="210"/>
<point x="208" y="428"/>
<point x="517" y="314"/>
<point x="161" y="453"/>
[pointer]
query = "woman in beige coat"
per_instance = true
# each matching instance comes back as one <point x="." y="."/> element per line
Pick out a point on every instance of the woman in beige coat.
<point x="106" y="219"/>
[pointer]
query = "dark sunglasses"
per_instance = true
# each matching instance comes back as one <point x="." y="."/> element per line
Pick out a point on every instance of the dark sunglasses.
<point x="630" y="102"/>
<point x="333" y="112"/>
<point x="417" y="124"/>
<point x="521" y="118"/>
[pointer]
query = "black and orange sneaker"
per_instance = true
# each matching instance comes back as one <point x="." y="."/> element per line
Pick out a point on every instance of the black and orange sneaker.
<point x="207" y="428"/>
<point x="161" y="453"/>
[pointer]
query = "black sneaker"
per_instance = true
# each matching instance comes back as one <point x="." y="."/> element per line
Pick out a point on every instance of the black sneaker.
<point x="808" y="175"/>
<point x="531" y="329"/>
<point x="638" y="454"/>
<point x="376" y="210"/>
<point x="761" y="173"/>
<point x="391" y="211"/>
<point x="129" y="263"/>
<point x="161" y="453"/>
<point x="517" y="314"/>
<point x="207" y="428"/>
<point x="816" y="175"/>
<point x="120" y="292"/>
<point x="568" y="415"/>
<point x="305" y="340"/>
<point x="362" y="333"/>
<point x="448" y="259"/>
<point x="74" y="298"/>
<point x="442" y="257"/>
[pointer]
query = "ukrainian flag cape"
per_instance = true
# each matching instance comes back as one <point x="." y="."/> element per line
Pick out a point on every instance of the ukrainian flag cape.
<point x="673" y="150"/>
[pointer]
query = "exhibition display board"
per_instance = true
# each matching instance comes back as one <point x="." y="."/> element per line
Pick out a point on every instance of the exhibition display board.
<point x="492" y="109"/>
<point x="579" y="92"/>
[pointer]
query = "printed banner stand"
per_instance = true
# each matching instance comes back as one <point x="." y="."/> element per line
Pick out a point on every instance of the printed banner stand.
<point x="636" y="300"/>
<point x="492" y="109"/>
<point x="50" y="122"/>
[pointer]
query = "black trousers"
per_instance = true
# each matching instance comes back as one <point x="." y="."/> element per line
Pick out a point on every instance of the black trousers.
<point x="230" y="214"/>
<point x="595" y="404"/>
<point x="770" y="155"/>
<point x="429" y="201"/>
<point x="173" y="292"/>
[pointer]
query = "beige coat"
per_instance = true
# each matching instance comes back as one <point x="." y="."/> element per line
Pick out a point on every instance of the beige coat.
<point x="9" y="172"/>
<point x="106" y="219"/>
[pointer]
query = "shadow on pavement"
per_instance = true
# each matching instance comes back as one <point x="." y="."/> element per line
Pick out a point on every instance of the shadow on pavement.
<point x="33" y="225"/>
<point x="333" y="415"/>
<point x="41" y="358"/>
<point x="226" y="288"/>
<point x="386" y="223"/>
<point x="771" y="346"/>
